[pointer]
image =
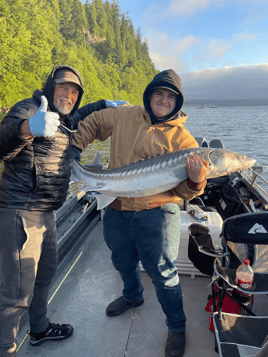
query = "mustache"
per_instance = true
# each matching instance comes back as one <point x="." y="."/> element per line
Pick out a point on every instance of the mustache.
<point x="67" y="101"/>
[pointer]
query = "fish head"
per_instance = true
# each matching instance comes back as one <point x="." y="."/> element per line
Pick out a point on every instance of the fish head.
<point x="223" y="162"/>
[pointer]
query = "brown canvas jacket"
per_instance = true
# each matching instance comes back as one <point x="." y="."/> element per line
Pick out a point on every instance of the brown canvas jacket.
<point x="133" y="137"/>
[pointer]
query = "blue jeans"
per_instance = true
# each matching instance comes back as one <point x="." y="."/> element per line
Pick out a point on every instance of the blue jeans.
<point x="151" y="236"/>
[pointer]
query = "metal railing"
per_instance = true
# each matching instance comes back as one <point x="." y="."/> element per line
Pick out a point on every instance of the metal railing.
<point x="256" y="181"/>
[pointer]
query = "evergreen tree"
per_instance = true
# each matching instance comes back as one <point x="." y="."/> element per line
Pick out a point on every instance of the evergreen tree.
<point x="130" y="46"/>
<point x="95" y="38"/>
<point x="55" y="8"/>
<point x="101" y="18"/>
<point x="118" y="49"/>
<point x="78" y="22"/>
<point x="91" y="13"/>
<point x="65" y="21"/>
<point x="107" y="47"/>
<point x="138" y="42"/>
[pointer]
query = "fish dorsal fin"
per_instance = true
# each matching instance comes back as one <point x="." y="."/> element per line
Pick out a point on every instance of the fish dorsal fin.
<point x="103" y="200"/>
<point x="96" y="162"/>
<point x="180" y="172"/>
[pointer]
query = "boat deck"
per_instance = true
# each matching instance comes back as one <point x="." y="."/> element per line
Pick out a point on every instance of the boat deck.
<point x="81" y="293"/>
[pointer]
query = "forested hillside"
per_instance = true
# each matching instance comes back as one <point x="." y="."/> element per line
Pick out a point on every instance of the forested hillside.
<point x="95" y="38"/>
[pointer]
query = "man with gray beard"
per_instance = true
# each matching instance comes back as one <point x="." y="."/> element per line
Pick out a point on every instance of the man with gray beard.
<point x="35" y="147"/>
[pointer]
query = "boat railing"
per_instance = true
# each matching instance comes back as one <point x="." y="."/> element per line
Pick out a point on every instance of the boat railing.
<point x="254" y="178"/>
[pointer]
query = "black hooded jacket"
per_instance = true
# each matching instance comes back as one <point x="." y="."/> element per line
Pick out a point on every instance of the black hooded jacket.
<point x="37" y="171"/>
<point x="166" y="79"/>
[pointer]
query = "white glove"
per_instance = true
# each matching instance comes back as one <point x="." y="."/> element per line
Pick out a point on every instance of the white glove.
<point x="114" y="103"/>
<point x="44" y="123"/>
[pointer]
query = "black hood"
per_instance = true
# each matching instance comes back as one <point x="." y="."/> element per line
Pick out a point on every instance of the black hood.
<point x="48" y="90"/>
<point x="167" y="79"/>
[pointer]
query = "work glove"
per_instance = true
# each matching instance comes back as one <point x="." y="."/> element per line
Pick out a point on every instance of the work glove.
<point x="114" y="103"/>
<point x="44" y="123"/>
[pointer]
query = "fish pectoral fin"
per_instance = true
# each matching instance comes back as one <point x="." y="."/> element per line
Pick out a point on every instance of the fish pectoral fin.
<point x="103" y="200"/>
<point x="180" y="172"/>
<point x="74" y="177"/>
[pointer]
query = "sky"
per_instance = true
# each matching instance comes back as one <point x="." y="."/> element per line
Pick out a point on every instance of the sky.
<point x="222" y="43"/>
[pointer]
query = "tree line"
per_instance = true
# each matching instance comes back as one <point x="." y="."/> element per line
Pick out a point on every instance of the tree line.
<point x="95" y="38"/>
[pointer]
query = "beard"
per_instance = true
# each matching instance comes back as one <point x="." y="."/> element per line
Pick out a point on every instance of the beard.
<point x="63" y="109"/>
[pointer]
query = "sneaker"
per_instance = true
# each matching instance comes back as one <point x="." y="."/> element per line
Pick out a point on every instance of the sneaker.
<point x="54" y="332"/>
<point x="175" y="344"/>
<point x="120" y="305"/>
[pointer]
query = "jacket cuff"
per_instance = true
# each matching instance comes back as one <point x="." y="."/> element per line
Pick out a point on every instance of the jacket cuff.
<point x="18" y="132"/>
<point x="75" y="153"/>
<point x="196" y="186"/>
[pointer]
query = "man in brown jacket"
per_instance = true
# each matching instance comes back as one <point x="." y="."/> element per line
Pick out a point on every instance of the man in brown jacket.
<point x="147" y="228"/>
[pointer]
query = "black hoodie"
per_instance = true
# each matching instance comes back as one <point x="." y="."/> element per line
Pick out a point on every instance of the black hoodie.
<point x="48" y="90"/>
<point x="37" y="171"/>
<point x="71" y="120"/>
<point x="166" y="79"/>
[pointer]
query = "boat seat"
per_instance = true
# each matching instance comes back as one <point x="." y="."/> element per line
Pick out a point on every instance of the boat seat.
<point x="216" y="144"/>
<point x="202" y="142"/>
<point x="244" y="236"/>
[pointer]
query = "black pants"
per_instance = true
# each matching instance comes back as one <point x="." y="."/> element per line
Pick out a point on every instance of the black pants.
<point x="28" y="262"/>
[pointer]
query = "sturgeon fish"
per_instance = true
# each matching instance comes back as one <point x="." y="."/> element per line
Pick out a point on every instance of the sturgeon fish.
<point x="154" y="174"/>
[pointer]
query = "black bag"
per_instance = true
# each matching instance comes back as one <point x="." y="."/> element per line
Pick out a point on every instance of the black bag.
<point x="201" y="250"/>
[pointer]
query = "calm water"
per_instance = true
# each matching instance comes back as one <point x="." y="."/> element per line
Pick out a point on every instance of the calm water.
<point x="242" y="129"/>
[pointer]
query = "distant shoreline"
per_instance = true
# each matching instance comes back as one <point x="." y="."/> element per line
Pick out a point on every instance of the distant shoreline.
<point x="227" y="102"/>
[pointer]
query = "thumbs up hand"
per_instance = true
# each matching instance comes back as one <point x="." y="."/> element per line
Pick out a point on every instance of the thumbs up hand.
<point x="44" y="123"/>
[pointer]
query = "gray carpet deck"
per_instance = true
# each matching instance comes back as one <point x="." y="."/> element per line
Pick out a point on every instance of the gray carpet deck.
<point x="141" y="332"/>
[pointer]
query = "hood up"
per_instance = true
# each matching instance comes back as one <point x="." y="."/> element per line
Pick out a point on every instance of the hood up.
<point x="48" y="90"/>
<point x="166" y="79"/>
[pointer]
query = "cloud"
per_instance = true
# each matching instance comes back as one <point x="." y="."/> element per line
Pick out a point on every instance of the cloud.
<point x="167" y="52"/>
<point x="214" y="51"/>
<point x="155" y="13"/>
<point x="236" y="82"/>
<point x="179" y="7"/>
<point x="188" y="7"/>
<point x="183" y="45"/>
<point x="163" y="42"/>
<point x="168" y="61"/>
<point x="245" y="37"/>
